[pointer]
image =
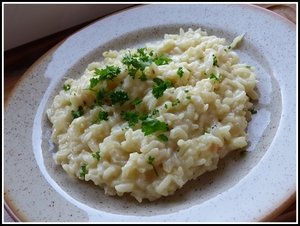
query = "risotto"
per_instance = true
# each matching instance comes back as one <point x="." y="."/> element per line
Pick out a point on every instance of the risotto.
<point x="145" y="121"/>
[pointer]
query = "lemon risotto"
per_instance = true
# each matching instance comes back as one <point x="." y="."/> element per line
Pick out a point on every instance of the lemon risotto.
<point x="144" y="121"/>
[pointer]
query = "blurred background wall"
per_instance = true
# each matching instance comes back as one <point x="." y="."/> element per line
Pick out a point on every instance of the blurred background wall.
<point x="24" y="23"/>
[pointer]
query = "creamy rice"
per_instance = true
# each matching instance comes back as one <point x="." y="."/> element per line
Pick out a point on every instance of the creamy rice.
<point x="148" y="133"/>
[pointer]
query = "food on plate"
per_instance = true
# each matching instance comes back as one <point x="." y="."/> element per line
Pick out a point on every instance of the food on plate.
<point x="145" y="121"/>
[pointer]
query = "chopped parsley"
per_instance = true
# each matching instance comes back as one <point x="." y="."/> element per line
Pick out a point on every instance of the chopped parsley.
<point x="161" y="60"/>
<point x="137" y="62"/>
<point x="180" y="72"/>
<point x="154" y="112"/>
<point x="176" y="102"/>
<point x="78" y="113"/>
<point x="66" y="87"/>
<point x="253" y="111"/>
<point x="160" y="87"/>
<point x="96" y="155"/>
<point x="93" y="82"/>
<point x="132" y="117"/>
<point x="106" y="74"/>
<point x="206" y="131"/>
<point x="118" y="96"/>
<point x="150" y="161"/>
<point x="102" y="115"/>
<point x="215" y="77"/>
<point x="151" y="125"/>
<point x="143" y="77"/>
<point x="163" y="137"/>
<point x="92" y="106"/>
<point x="100" y="95"/>
<point x="136" y="101"/>
<point x="227" y="49"/>
<point x="215" y="60"/>
<point x="188" y="97"/>
<point x="83" y="170"/>
<point x="143" y="116"/>
<point x="140" y="60"/>
<point x="109" y="73"/>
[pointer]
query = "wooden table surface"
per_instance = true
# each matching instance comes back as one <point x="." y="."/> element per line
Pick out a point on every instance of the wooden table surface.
<point x="18" y="60"/>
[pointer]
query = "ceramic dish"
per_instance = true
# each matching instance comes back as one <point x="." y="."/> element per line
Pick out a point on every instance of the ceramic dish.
<point x="254" y="187"/>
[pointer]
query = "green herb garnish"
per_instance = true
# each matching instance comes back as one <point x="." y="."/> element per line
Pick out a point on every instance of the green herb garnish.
<point x="93" y="82"/>
<point x="163" y="137"/>
<point x="180" y="72"/>
<point x="143" y="77"/>
<point x="151" y="125"/>
<point x="214" y="77"/>
<point x="131" y="117"/>
<point x="136" y="101"/>
<point x="227" y="49"/>
<point x="253" y="111"/>
<point x="176" y="102"/>
<point x="66" y="87"/>
<point x="96" y="155"/>
<point x="102" y="115"/>
<point x="83" y="170"/>
<point x="78" y="113"/>
<point x="92" y="106"/>
<point x="140" y="60"/>
<point x="106" y="74"/>
<point x="160" y="87"/>
<point x="143" y="116"/>
<point x="100" y="95"/>
<point x="215" y="60"/>
<point x="137" y="62"/>
<point x="154" y="112"/>
<point x="161" y="60"/>
<point x="118" y="97"/>
<point x="206" y="131"/>
<point x="109" y="73"/>
<point x="150" y="161"/>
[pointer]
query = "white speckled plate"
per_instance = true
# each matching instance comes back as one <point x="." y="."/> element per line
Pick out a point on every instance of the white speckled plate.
<point x="254" y="187"/>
